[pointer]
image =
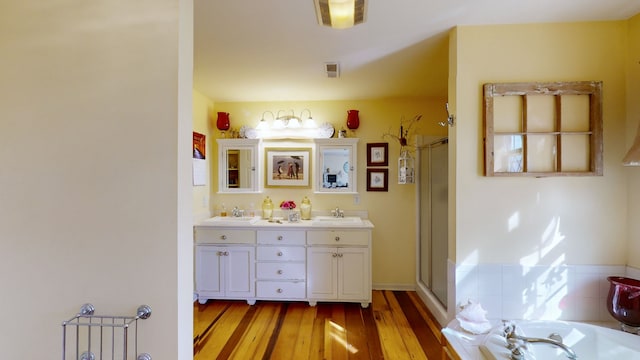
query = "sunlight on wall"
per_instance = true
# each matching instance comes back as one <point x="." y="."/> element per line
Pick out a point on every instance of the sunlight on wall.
<point x="514" y="221"/>
<point x="547" y="286"/>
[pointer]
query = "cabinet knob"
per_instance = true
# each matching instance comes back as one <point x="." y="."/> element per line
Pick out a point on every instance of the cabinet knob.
<point x="280" y="272"/>
<point x="279" y="291"/>
<point x="279" y="253"/>
<point x="340" y="255"/>
<point x="223" y="237"/>
<point x="226" y="253"/>
<point x="337" y="238"/>
<point x="334" y="255"/>
<point x="280" y="237"/>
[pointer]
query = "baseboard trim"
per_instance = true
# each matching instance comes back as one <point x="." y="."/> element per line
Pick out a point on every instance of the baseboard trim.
<point x="394" y="287"/>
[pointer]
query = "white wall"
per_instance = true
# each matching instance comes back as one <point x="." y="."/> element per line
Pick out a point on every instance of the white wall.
<point x="91" y="207"/>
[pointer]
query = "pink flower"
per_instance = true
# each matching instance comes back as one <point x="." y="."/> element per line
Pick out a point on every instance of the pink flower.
<point x="287" y="205"/>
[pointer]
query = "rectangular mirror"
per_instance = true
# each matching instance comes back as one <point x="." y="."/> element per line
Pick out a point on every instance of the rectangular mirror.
<point x="336" y="165"/>
<point x="237" y="166"/>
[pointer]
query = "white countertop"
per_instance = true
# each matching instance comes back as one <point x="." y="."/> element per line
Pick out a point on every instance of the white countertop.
<point x="258" y="223"/>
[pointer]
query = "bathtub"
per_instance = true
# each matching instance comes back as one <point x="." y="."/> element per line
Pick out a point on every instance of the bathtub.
<point x="590" y="342"/>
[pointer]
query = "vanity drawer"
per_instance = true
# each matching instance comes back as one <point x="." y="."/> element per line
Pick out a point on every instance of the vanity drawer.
<point x="224" y="236"/>
<point x="338" y="237"/>
<point x="280" y="271"/>
<point x="287" y="237"/>
<point x="281" y="289"/>
<point x="281" y="253"/>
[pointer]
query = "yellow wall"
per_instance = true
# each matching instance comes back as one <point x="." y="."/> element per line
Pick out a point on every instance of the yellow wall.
<point x="202" y="110"/>
<point x="633" y="126"/>
<point x="93" y="150"/>
<point x="393" y="212"/>
<point x="540" y="221"/>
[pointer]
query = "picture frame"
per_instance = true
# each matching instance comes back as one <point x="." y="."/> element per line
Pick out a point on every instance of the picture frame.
<point x="377" y="154"/>
<point x="199" y="146"/>
<point x="377" y="179"/>
<point x="288" y="167"/>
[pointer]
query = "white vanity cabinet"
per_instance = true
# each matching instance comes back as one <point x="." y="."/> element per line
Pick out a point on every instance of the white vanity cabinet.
<point x="280" y="265"/>
<point x="300" y="261"/>
<point x="225" y="264"/>
<point x="336" y="170"/>
<point x="339" y="266"/>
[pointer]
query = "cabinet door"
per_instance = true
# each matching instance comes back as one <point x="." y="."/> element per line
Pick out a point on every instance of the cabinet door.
<point x="240" y="270"/>
<point x="322" y="273"/>
<point x="209" y="279"/>
<point x="354" y="280"/>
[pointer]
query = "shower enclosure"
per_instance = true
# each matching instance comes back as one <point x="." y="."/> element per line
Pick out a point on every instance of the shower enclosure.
<point x="433" y="208"/>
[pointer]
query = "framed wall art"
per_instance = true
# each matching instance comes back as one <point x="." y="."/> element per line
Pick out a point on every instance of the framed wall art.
<point x="288" y="167"/>
<point x="378" y="154"/>
<point x="377" y="179"/>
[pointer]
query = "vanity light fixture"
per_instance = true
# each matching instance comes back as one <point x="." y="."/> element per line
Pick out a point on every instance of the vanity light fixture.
<point x="288" y="125"/>
<point x="340" y="14"/>
<point x="263" y="125"/>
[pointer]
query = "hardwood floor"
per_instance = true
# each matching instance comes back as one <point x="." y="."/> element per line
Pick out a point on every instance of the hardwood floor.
<point x="396" y="325"/>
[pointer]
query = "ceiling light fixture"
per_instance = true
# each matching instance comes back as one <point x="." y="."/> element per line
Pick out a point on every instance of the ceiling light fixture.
<point x="340" y="14"/>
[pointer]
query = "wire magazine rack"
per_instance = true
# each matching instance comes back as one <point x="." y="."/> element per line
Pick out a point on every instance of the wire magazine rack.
<point x="86" y="336"/>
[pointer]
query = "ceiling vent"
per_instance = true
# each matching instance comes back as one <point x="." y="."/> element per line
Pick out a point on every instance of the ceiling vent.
<point x="332" y="69"/>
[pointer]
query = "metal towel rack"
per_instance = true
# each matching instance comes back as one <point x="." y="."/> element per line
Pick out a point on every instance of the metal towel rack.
<point x="104" y="335"/>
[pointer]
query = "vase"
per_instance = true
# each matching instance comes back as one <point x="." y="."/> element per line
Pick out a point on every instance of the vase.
<point x="223" y="121"/>
<point x="305" y="209"/>
<point x="353" y="119"/>
<point x="267" y="208"/>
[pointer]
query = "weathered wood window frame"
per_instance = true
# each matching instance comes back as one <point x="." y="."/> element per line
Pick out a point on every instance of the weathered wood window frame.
<point x="567" y="140"/>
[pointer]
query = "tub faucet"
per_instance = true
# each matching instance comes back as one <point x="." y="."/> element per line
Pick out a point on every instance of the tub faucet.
<point x="553" y="339"/>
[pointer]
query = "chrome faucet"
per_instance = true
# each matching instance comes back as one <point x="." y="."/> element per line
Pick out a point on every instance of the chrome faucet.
<point x="237" y="212"/>
<point x="553" y="339"/>
<point x="337" y="212"/>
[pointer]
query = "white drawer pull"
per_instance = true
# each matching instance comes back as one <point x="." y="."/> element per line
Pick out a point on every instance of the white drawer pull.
<point x="280" y="253"/>
<point x="337" y="238"/>
<point x="280" y="237"/>
<point x="280" y="272"/>
<point x="223" y="237"/>
<point x="279" y="291"/>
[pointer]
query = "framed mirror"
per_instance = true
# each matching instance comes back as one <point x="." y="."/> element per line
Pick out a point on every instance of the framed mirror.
<point x="238" y="170"/>
<point x="336" y="170"/>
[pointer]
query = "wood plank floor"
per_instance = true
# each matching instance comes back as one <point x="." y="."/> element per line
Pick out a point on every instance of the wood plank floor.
<point x="396" y="325"/>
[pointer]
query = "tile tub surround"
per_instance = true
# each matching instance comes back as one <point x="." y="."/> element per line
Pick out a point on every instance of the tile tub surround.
<point x="563" y="292"/>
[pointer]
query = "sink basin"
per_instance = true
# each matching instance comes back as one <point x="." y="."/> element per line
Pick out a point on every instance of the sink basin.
<point x="331" y="220"/>
<point x="231" y="220"/>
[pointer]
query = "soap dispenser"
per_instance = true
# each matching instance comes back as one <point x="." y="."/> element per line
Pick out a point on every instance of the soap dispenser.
<point x="305" y="209"/>
<point x="267" y="208"/>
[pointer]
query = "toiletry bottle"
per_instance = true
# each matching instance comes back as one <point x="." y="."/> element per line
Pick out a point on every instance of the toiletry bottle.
<point x="252" y="211"/>
<point x="223" y="211"/>
<point x="267" y="208"/>
<point x="305" y="209"/>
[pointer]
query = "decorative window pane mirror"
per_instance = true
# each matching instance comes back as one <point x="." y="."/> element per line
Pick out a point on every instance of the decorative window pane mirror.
<point x="543" y="129"/>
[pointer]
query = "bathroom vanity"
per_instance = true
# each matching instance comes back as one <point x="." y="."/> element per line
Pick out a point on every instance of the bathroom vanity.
<point x="323" y="259"/>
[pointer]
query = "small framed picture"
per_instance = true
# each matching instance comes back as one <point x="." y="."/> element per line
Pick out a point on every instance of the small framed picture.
<point x="288" y="167"/>
<point x="378" y="154"/>
<point x="377" y="179"/>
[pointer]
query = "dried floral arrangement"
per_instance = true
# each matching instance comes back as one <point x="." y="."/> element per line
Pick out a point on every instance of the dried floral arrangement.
<point x="405" y="131"/>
